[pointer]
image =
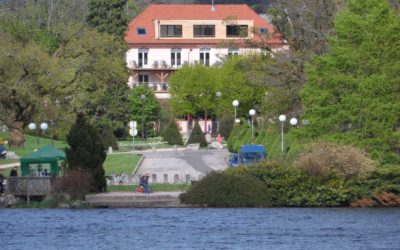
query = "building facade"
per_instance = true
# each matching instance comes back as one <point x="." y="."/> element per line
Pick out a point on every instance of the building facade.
<point x="163" y="38"/>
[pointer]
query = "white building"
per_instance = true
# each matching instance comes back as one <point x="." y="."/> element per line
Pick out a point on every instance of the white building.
<point x="164" y="37"/>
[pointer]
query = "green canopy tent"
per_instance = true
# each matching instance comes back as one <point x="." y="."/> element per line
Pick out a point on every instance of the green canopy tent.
<point x="48" y="155"/>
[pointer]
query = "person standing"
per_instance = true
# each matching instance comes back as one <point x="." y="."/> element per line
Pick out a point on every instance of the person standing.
<point x="1" y="182"/>
<point x="14" y="172"/>
<point x="144" y="182"/>
<point x="13" y="180"/>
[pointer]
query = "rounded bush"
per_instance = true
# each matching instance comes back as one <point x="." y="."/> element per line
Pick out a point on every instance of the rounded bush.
<point x="325" y="158"/>
<point x="228" y="190"/>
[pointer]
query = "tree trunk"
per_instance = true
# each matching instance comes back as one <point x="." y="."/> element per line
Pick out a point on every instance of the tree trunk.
<point x="16" y="138"/>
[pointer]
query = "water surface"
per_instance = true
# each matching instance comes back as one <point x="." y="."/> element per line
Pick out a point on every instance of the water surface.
<point x="196" y="228"/>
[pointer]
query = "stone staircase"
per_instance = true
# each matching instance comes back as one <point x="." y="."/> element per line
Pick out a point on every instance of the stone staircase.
<point x="135" y="200"/>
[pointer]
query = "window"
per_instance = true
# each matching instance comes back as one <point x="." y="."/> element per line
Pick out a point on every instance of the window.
<point x="233" y="52"/>
<point x="171" y="30"/>
<point x="237" y="30"/>
<point x="164" y="86"/>
<point x="175" y="57"/>
<point x="205" y="57"/>
<point x="204" y="30"/>
<point x="141" y="31"/>
<point x="143" y="57"/>
<point x="143" y="78"/>
<point x="263" y="31"/>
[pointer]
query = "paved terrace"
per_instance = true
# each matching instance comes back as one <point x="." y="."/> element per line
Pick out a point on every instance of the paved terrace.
<point x="135" y="200"/>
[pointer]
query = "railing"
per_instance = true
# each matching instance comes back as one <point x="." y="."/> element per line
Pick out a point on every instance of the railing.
<point x="28" y="186"/>
<point x="155" y="64"/>
<point x="155" y="86"/>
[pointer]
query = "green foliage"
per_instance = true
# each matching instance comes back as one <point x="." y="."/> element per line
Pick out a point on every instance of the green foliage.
<point x="25" y="77"/>
<point x="108" y="16"/>
<point x="86" y="152"/>
<point x="352" y="93"/>
<point x="385" y="179"/>
<point x="96" y="69"/>
<point x="241" y="134"/>
<point x="171" y="135"/>
<point x="228" y="190"/>
<point x="193" y="90"/>
<point x="293" y="187"/>
<point x="146" y="112"/>
<point x="197" y="136"/>
<point x="108" y="138"/>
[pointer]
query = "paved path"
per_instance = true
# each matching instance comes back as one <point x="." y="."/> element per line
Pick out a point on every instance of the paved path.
<point x="182" y="166"/>
<point x="10" y="165"/>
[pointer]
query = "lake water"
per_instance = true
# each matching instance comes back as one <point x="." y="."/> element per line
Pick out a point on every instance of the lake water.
<point x="192" y="228"/>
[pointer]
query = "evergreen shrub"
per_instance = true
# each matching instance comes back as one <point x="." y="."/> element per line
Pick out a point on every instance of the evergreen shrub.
<point x="86" y="152"/>
<point x="171" y="135"/>
<point x="228" y="190"/>
<point x="109" y="139"/>
<point x="197" y="136"/>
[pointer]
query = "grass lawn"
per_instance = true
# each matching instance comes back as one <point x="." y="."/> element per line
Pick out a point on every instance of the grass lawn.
<point x="153" y="187"/>
<point x="117" y="163"/>
<point x="8" y="161"/>
<point x="31" y="143"/>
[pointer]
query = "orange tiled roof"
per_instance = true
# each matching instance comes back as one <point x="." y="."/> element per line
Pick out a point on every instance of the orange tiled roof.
<point x="192" y="12"/>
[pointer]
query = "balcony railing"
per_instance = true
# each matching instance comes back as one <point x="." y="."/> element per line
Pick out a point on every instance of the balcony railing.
<point x="155" y="64"/>
<point x="155" y="86"/>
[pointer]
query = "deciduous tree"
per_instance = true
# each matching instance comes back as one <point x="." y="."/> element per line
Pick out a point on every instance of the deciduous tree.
<point x="145" y="111"/>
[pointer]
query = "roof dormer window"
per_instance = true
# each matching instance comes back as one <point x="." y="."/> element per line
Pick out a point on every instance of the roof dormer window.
<point x="141" y="31"/>
<point x="263" y="31"/>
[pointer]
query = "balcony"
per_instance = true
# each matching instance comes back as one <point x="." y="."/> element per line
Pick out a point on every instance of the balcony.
<point x="155" y="86"/>
<point x="153" y="65"/>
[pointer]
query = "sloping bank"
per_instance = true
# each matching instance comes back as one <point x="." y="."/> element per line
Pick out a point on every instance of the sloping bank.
<point x="270" y="184"/>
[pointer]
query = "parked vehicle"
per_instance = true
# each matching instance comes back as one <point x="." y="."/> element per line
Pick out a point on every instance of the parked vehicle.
<point x="3" y="152"/>
<point x="248" y="154"/>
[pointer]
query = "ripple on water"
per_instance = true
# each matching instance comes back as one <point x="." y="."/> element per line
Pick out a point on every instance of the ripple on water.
<point x="199" y="228"/>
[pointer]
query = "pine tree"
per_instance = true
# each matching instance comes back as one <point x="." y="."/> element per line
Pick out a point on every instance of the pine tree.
<point x="86" y="152"/>
<point x="352" y="94"/>
<point x="197" y="136"/>
<point x="171" y="135"/>
<point x="108" y="16"/>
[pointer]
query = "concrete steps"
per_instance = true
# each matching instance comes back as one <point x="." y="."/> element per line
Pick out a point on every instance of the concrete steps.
<point x="135" y="200"/>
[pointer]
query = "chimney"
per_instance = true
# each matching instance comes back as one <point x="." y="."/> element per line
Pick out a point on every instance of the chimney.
<point x="212" y="6"/>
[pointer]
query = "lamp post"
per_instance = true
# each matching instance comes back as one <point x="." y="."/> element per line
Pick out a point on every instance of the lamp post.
<point x="43" y="126"/>
<point x="218" y="94"/>
<point x="133" y="132"/>
<point x="235" y="104"/>
<point x="252" y="112"/>
<point x="142" y="99"/>
<point x="293" y="121"/>
<point x="52" y="114"/>
<point x="282" y="119"/>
